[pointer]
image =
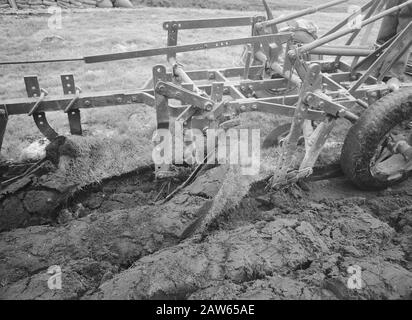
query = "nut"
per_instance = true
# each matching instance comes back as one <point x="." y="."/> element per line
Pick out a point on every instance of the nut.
<point x="208" y="106"/>
<point x="309" y="98"/>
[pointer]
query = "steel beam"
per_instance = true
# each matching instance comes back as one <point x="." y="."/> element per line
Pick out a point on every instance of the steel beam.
<point x="282" y="37"/>
<point x="210" y="23"/>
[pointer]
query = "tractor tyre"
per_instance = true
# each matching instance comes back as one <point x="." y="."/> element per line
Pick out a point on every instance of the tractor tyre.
<point x="366" y="136"/>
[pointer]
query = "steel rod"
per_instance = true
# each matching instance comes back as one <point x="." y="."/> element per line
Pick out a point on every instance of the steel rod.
<point x="299" y="14"/>
<point x="162" y="51"/>
<point x="317" y="43"/>
<point x="341" y="51"/>
<point x="185" y="48"/>
<point x="346" y="20"/>
<point x="40" y="61"/>
<point x="353" y="36"/>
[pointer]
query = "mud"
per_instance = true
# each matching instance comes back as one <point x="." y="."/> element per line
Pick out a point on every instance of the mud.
<point x="35" y="193"/>
<point x="293" y="244"/>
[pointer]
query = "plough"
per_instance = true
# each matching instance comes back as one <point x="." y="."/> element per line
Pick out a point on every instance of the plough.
<point x="285" y="74"/>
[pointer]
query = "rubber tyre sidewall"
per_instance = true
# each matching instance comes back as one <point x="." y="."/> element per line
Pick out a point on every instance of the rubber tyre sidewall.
<point x="364" y="137"/>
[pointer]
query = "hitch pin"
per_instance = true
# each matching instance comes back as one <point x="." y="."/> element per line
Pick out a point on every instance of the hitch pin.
<point x="74" y="100"/>
<point x="43" y="94"/>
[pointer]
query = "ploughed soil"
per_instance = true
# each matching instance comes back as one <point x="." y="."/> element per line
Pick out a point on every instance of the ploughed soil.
<point x="113" y="240"/>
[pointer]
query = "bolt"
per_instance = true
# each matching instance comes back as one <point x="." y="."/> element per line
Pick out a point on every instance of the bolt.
<point x="373" y="94"/>
<point x="250" y="87"/>
<point x="341" y="113"/>
<point x="309" y="98"/>
<point x="178" y="94"/>
<point x="292" y="54"/>
<point x="254" y="107"/>
<point x="243" y="88"/>
<point x="119" y="100"/>
<point x="321" y="104"/>
<point x="208" y="106"/>
<point x="226" y="90"/>
<point x="87" y="103"/>
<point x="161" y="88"/>
<point x="243" y="108"/>
<point x="134" y="98"/>
<point x="211" y="76"/>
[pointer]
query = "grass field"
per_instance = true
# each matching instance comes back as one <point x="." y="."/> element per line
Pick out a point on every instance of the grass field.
<point x="96" y="31"/>
<point x="245" y="5"/>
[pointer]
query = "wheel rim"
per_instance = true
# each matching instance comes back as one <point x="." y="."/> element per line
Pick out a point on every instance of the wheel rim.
<point x="387" y="163"/>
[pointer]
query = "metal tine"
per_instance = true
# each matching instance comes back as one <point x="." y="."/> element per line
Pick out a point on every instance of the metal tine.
<point x="69" y="87"/>
<point x="33" y="90"/>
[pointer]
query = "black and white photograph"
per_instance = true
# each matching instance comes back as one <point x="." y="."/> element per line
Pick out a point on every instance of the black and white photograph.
<point x="209" y="155"/>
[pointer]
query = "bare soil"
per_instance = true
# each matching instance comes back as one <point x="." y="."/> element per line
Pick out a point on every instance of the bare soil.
<point x="295" y="243"/>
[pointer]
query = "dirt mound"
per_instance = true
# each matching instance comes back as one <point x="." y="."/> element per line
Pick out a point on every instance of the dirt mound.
<point x="69" y="166"/>
<point x="287" y="255"/>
